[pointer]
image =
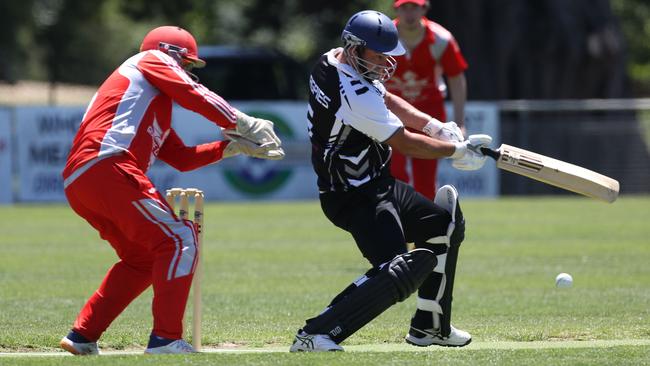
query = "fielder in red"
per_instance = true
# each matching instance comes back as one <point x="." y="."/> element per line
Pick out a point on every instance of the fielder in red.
<point x="431" y="53"/>
<point x="126" y="127"/>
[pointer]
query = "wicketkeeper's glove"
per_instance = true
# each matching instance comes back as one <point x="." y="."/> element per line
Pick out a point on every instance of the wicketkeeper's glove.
<point x="257" y="130"/>
<point x="241" y="145"/>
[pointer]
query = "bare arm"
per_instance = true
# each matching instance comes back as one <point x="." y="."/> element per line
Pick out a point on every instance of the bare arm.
<point x="420" y="146"/>
<point x="408" y="114"/>
<point x="458" y="89"/>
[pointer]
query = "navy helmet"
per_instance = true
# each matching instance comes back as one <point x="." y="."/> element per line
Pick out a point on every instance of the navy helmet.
<point x="372" y="30"/>
<point x="375" y="31"/>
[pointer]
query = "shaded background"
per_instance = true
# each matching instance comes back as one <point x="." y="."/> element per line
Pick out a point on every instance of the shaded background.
<point x="549" y="65"/>
<point x="516" y="49"/>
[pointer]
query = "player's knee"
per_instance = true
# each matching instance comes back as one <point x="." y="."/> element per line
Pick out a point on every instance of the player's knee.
<point x="452" y="237"/>
<point x="409" y="270"/>
<point x="180" y="250"/>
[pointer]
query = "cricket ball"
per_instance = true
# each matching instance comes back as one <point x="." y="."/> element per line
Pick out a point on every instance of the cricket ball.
<point x="563" y="280"/>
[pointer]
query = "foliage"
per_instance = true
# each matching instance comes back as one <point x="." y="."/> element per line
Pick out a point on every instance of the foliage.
<point x="81" y="41"/>
<point x="635" y="22"/>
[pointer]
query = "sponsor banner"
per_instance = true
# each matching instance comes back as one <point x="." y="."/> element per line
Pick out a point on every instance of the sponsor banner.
<point x="244" y="178"/>
<point x="6" y="183"/>
<point x="44" y="136"/>
<point x="479" y="118"/>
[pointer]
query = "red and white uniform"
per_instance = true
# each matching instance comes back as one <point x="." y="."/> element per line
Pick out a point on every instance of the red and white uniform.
<point x="125" y="128"/>
<point x="417" y="81"/>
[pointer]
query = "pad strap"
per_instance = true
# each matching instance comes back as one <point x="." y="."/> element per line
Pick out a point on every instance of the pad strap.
<point x="429" y="305"/>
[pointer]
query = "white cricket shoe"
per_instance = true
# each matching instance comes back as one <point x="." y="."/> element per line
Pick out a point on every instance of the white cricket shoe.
<point x="428" y="337"/>
<point x="313" y="343"/>
<point x="79" y="349"/>
<point x="177" y="346"/>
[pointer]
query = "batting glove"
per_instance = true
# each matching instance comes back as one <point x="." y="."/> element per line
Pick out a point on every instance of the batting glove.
<point x="468" y="155"/>
<point x="443" y="131"/>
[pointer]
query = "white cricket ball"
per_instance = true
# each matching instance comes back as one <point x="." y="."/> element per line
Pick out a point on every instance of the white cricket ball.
<point x="563" y="280"/>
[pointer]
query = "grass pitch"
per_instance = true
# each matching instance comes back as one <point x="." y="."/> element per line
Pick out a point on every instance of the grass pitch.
<point x="269" y="266"/>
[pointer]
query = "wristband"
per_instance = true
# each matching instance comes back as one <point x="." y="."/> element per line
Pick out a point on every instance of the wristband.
<point x="432" y="127"/>
<point x="461" y="149"/>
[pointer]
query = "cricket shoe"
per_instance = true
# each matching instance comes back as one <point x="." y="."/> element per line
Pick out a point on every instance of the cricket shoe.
<point x="428" y="337"/>
<point x="74" y="343"/>
<point x="161" y="346"/>
<point x="313" y="343"/>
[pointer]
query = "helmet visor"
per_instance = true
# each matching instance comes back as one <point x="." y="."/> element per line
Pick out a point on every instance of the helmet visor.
<point x="397" y="51"/>
<point x="196" y="62"/>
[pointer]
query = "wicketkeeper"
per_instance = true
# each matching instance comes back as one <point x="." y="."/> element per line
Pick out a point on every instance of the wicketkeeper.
<point x="354" y="124"/>
<point x="126" y="127"/>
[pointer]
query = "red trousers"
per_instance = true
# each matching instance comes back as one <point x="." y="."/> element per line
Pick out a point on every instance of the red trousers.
<point x="155" y="247"/>
<point x="422" y="175"/>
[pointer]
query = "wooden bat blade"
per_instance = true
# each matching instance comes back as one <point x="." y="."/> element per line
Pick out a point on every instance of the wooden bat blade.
<point x="555" y="172"/>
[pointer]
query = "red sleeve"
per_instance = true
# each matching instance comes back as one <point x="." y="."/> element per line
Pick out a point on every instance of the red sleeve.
<point x="453" y="62"/>
<point x="184" y="158"/>
<point x="165" y="74"/>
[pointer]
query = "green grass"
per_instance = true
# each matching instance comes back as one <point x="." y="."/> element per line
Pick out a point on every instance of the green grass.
<point x="269" y="266"/>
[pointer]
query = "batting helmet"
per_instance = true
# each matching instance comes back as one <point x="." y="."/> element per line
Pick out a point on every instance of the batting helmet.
<point x="174" y="41"/>
<point x="374" y="30"/>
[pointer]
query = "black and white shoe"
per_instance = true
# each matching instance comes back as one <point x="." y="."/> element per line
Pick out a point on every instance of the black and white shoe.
<point x="313" y="343"/>
<point x="429" y="337"/>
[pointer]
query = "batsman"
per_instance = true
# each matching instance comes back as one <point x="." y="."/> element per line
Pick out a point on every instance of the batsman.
<point x="354" y="124"/>
<point x="126" y="127"/>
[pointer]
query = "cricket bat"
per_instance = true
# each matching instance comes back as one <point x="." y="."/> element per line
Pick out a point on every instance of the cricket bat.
<point x="554" y="172"/>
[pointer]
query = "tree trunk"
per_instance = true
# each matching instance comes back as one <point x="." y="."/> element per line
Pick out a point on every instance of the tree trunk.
<point x="548" y="49"/>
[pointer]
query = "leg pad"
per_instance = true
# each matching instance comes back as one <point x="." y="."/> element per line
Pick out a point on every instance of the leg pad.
<point x="394" y="281"/>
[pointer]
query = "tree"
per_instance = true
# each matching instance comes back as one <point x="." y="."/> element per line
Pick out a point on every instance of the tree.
<point x="14" y="27"/>
<point x="516" y="49"/>
<point x="635" y="23"/>
<point x="538" y="49"/>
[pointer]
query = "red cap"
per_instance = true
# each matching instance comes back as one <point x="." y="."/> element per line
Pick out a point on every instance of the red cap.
<point x="399" y="3"/>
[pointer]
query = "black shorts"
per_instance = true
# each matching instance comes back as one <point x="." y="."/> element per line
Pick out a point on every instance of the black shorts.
<point x="383" y="216"/>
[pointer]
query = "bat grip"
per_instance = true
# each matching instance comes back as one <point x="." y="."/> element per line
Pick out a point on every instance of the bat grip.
<point x="494" y="154"/>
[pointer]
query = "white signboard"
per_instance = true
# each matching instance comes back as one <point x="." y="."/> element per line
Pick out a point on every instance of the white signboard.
<point x="6" y="183"/>
<point x="479" y="118"/>
<point x="242" y="177"/>
<point x="44" y="136"/>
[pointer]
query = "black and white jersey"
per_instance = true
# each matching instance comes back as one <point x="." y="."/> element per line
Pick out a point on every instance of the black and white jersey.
<point x="349" y="123"/>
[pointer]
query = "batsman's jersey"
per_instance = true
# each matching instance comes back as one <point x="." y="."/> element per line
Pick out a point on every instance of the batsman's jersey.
<point x="416" y="77"/>
<point x="131" y="114"/>
<point x="349" y="123"/>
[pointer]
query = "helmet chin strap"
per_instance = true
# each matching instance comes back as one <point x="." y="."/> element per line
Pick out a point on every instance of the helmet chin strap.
<point x="366" y="69"/>
<point x="192" y="75"/>
<point x="177" y="54"/>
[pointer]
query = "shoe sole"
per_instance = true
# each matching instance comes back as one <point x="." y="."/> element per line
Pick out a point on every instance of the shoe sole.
<point x="414" y="343"/>
<point x="68" y="347"/>
<point x="311" y="350"/>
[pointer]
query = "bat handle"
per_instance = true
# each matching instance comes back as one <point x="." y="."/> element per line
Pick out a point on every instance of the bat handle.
<point x="494" y="154"/>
